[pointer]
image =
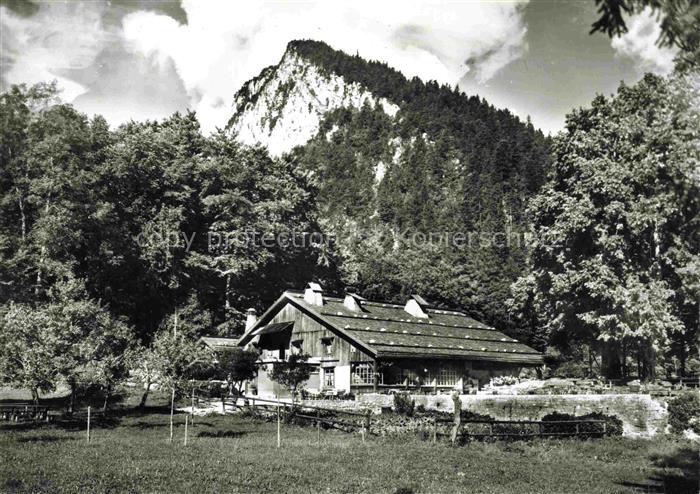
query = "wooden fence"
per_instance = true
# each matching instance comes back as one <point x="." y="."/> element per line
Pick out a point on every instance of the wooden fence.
<point x="350" y="421"/>
<point x="24" y="411"/>
<point x="16" y="411"/>
<point x="345" y="420"/>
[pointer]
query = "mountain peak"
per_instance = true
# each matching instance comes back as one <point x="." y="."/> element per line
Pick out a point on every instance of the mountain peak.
<point x="284" y="105"/>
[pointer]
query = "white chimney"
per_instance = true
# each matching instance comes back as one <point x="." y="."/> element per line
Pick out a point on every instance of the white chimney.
<point x="250" y="318"/>
<point x="416" y="306"/>
<point x="314" y="294"/>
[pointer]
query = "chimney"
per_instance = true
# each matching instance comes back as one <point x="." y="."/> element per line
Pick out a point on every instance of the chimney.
<point x="314" y="294"/>
<point x="416" y="306"/>
<point x="250" y="318"/>
<point x="353" y="301"/>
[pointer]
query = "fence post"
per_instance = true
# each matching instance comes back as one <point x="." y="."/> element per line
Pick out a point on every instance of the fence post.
<point x="457" y="416"/>
<point x="605" y="427"/>
<point x="88" y="425"/>
<point x="577" y="429"/>
<point x="172" y="407"/>
<point x="192" y="406"/>
<point x="434" y="430"/>
<point x="279" y="438"/>
<point x="186" y="417"/>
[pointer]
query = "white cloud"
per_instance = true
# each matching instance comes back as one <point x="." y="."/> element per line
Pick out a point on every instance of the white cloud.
<point x="224" y="44"/>
<point x="640" y="44"/>
<point x="60" y="38"/>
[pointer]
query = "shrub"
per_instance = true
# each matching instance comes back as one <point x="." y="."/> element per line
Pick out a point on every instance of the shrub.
<point x="571" y="369"/>
<point x="403" y="404"/>
<point x="504" y="380"/>
<point x="613" y="425"/>
<point x="469" y="415"/>
<point x="683" y="412"/>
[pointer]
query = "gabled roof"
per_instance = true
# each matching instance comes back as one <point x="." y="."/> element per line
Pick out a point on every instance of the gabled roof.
<point x="385" y="330"/>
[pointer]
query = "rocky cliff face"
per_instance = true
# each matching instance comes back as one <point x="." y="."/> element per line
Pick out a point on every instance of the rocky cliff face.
<point x="283" y="106"/>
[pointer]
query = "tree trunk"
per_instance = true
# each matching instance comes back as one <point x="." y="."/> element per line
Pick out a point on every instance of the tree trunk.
<point x="42" y="255"/>
<point x="108" y="391"/>
<point x="144" y="396"/>
<point x="227" y="302"/>
<point x="610" y="356"/>
<point x="172" y="413"/>
<point x="71" y="402"/>
<point x="23" y="217"/>
<point x="648" y="362"/>
<point x="35" y="396"/>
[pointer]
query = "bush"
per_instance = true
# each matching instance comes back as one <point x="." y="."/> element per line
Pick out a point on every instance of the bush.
<point x="683" y="412"/>
<point x="403" y="404"/>
<point x="613" y="425"/>
<point x="504" y="381"/>
<point x="571" y="369"/>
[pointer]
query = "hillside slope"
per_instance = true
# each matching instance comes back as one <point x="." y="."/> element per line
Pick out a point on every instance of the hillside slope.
<point x="391" y="157"/>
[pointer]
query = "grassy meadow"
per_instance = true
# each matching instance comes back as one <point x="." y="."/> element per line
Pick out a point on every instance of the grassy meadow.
<point x="130" y="452"/>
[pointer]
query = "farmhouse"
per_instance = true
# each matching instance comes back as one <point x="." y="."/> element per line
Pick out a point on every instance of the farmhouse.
<point x="357" y="345"/>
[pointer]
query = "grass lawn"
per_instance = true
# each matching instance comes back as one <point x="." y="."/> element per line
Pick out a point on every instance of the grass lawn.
<point x="130" y="453"/>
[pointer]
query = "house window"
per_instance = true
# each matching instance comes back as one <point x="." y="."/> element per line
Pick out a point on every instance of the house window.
<point x="327" y="345"/>
<point x="297" y="346"/>
<point x="329" y="377"/>
<point x="446" y="377"/>
<point x="364" y="374"/>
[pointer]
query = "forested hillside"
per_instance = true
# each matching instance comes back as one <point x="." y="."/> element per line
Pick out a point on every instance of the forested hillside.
<point x="446" y="164"/>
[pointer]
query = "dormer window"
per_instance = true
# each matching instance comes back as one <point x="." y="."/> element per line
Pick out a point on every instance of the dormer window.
<point x="416" y="306"/>
<point x="297" y="346"/>
<point x="327" y="345"/>
<point x="353" y="302"/>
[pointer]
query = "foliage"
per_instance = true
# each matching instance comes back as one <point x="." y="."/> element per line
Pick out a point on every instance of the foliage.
<point x="292" y="373"/>
<point x="178" y="356"/>
<point x="684" y="412"/>
<point x="679" y="22"/>
<point x="571" y="369"/>
<point x="235" y="366"/>
<point x="504" y="380"/>
<point x="144" y="366"/>
<point x="152" y="216"/>
<point x="613" y="425"/>
<point x="615" y="254"/>
<point x="70" y="338"/>
<point x="27" y="349"/>
<point x="404" y="404"/>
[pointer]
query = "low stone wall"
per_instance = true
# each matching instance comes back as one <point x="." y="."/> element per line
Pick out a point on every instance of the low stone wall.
<point x="641" y="415"/>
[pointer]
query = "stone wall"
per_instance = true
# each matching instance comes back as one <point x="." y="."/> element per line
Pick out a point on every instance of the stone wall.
<point x="641" y="415"/>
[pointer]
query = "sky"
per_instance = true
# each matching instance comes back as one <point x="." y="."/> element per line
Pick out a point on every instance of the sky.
<point x="146" y="59"/>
